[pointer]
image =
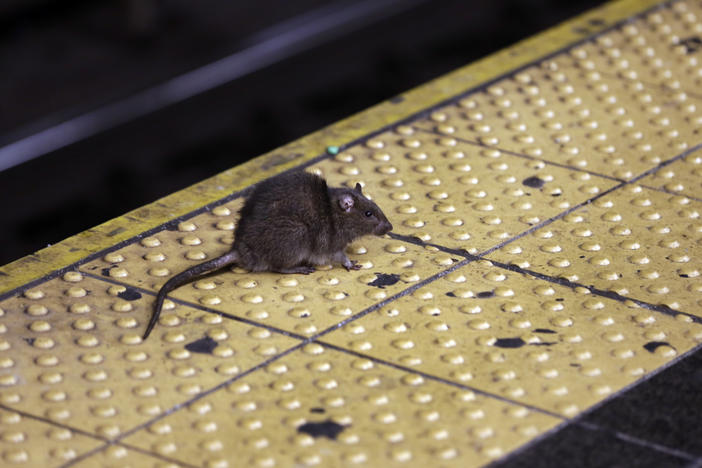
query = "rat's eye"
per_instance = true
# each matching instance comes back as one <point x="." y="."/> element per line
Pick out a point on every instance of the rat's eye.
<point x="368" y="213"/>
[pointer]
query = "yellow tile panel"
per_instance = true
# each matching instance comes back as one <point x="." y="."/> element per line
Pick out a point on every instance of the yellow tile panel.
<point x="637" y="242"/>
<point x="72" y="354"/>
<point x="26" y="442"/>
<point x="455" y="194"/>
<point x="521" y="338"/>
<point x="320" y="407"/>
<point x="580" y="118"/>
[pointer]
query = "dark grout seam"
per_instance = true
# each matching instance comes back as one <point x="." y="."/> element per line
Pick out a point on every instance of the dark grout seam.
<point x="519" y="155"/>
<point x="51" y="422"/>
<point x="670" y="192"/>
<point x="422" y="114"/>
<point x="442" y="380"/>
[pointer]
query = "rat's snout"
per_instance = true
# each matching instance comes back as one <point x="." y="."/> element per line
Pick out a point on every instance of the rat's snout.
<point x="383" y="228"/>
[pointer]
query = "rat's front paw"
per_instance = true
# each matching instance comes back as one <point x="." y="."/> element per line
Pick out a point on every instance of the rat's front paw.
<point x="352" y="265"/>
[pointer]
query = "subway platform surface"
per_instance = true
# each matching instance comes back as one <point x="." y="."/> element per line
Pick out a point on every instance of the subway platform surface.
<point x="539" y="302"/>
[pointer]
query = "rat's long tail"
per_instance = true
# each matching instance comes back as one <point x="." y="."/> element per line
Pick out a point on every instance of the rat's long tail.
<point x="185" y="277"/>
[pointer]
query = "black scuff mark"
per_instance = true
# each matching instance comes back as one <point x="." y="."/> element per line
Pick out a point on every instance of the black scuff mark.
<point x="684" y="275"/>
<point x="450" y="294"/>
<point x="509" y="342"/>
<point x="652" y="346"/>
<point x="517" y="342"/>
<point x="485" y="294"/>
<point x="383" y="280"/>
<point x="328" y="429"/>
<point x="317" y="410"/>
<point x="204" y="345"/>
<point x="692" y="44"/>
<point x="129" y="294"/>
<point x="29" y="341"/>
<point x="116" y="231"/>
<point x="534" y="182"/>
<point x="544" y="330"/>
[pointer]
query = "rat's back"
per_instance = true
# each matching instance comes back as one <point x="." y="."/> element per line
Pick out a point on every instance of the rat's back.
<point x="281" y="220"/>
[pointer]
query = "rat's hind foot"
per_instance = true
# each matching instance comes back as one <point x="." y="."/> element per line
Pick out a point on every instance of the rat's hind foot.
<point x="304" y="270"/>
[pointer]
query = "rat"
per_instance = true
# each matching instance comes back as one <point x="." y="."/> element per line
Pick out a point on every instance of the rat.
<point x="288" y="224"/>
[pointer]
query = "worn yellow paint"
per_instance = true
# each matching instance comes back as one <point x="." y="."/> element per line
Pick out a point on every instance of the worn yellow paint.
<point x="75" y="248"/>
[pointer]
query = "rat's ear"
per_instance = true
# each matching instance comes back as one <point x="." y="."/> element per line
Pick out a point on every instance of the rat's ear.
<point x="358" y="188"/>
<point x="346" y="202"/>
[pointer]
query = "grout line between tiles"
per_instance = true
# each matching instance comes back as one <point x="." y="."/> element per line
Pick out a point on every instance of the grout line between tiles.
<point x="670" y="192"/>
<point x="442" y="380"/>
<point x="520" y="155"/>
<point x="51" y="422"/>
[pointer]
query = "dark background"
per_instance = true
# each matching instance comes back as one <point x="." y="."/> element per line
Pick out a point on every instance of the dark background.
<point x="63" y="58"/>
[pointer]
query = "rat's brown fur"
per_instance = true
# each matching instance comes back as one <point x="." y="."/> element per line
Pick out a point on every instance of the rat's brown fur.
<point x="288" y="224"/>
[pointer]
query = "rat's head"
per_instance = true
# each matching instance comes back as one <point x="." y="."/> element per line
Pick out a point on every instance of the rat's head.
<point x="359" y="215"/>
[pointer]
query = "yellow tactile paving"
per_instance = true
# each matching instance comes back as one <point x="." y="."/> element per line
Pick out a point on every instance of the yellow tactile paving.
<point x="637" y="242"/>
<point x="371" y="415"/>
<point x="28" y="442"/>
<point x="583" y="119"/>
<point x="72" y="354"/>
<point x="427" y="355"/>
<point x="522" y="338"/>
<point x="442" y="190"/>
<point x="659" y="49"/>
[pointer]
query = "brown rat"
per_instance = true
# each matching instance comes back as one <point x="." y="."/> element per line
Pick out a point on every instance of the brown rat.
<point x="289" y="223"/>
